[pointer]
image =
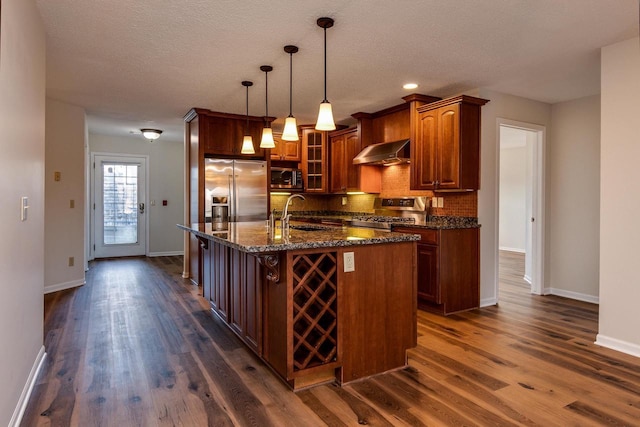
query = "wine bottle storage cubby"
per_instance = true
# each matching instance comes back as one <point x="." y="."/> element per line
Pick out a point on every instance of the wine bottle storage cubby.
<point x="315" y="301"/>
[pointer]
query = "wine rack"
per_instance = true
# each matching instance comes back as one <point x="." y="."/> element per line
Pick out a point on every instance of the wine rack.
<point x="315" y="301"/>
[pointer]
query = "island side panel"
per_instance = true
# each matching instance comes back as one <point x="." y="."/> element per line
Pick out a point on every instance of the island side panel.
<point x="378" y="309"/>
<point x="275" y="306"/>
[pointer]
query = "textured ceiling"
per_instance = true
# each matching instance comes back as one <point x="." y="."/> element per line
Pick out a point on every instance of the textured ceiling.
<point x="145" y="63"/>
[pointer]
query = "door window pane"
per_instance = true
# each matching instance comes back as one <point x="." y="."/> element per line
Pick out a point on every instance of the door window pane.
<point x="120" y="203"/>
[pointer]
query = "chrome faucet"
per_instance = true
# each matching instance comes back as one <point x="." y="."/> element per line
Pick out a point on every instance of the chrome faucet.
<point x="285" y="216"/>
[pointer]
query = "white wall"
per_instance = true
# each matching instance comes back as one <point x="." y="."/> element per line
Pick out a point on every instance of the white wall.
<point x="573" y="190"/>
<point x="64" y="226"/>
<point x="619" y="201"/>
<point x="506" y="107"/>
<point x="22" y="127"/>
<point x="166" y="182"/>
<point x="513" y="200"/>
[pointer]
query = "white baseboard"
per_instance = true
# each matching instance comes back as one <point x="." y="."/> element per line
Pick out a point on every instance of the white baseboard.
<point x="18" y="413"/>
<point x="488" y="302"/>
<point x="62" y="286"/>
<point x="504" y="248"/>
<point x="574" y="295"/>
<point x="618" y="345"/>
<point x="173" y="253"/>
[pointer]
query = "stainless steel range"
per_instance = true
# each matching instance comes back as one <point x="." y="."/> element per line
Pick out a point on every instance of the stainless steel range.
<point x="390" y="211"/>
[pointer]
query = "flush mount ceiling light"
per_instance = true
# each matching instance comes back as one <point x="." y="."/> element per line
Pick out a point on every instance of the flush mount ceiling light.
<point x="267" y="133"/>
<point x="325" y="114"/>
<point x="247" y="141"/>
<point x="409" y="86"/>
<point x="151" y="134"/>
<point x="290" y="132"/>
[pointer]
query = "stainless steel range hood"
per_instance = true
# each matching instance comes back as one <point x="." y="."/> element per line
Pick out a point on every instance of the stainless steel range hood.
<point x="385" y="153"/>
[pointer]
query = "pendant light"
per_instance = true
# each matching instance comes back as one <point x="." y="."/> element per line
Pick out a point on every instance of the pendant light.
<point x="247" y="141"/>
<point x="267" y="133"/>
<point x="325" y="115"/>
<point x="290" y="132"/>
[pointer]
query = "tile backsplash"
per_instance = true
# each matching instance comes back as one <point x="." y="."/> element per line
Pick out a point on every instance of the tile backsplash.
<point x="395" y="183"/>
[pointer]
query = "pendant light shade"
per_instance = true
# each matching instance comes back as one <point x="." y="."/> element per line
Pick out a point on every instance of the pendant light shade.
<point x="290" y="132"/>
<point x="151" y="134"/>
<point x="267" y="133"/>
<point x="247" y="141"/>
<point x="325" y="114"/>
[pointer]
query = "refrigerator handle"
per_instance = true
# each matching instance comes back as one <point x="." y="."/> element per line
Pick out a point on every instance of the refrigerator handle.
<point x="230" y="201"/>
<point x="235" y="197"/>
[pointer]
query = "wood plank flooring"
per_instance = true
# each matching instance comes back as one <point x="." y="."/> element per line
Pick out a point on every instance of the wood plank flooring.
<point x="136" y="346"/>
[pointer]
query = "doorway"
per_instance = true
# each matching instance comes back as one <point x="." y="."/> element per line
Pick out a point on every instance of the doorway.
<point x="119" y="214"/>
<point x="521" y="199"/>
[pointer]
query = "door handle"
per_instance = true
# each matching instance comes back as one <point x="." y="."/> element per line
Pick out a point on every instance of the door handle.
<point x="533" y="219"/>
<point x="141" y="208"/>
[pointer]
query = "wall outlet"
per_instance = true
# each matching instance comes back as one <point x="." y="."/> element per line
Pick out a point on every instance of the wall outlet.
<point x="440" y="202"/>
<point x="349" y="262"/>
<point x="56" y="176"/>
<point x="344" y="200"/>
<point x="71" y="261"/>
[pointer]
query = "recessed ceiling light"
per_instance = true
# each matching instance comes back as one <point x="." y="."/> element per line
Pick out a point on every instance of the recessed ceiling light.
<point x="409" y="86"/>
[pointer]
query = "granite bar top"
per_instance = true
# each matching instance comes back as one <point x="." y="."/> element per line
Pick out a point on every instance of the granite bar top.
<point x="254" y="237"/>
<point x="441" y="223"/>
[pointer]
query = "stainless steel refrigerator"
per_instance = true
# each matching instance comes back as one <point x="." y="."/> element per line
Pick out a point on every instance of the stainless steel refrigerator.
<point x="235" y="190"/>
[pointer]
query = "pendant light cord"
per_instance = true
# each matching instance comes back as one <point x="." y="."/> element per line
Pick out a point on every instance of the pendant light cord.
<point x="325" y="65"/>
<point x="266" y="93"/>
<point x="290" y="84"/>
<point x="246" y="129"/>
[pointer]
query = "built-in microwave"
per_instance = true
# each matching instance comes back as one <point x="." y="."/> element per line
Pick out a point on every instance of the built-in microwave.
<point x="286" y="178"/>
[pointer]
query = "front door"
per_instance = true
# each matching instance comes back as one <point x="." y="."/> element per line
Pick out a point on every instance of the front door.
<point x="120" y="210"/>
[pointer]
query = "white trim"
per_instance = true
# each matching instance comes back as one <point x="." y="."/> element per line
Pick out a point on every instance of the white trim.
<point x="518" y="250"/>
<point x="18" y="413"/>
<point x="487" y="302"/>
<point x="170" y="253"/>
<point x="538" y="247"/>
<point x="575" y="295"/>
<point x="527" y="279"/>
<point x="618" y="345"/>
<point x="62" y="286"/>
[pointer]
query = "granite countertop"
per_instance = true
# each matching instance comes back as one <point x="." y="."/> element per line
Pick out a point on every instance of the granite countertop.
<point x="255" y="237"/>
<point x="434" y="222"/>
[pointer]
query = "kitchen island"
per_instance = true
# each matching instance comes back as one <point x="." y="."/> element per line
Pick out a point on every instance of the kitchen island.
<point x="319" y="304"/>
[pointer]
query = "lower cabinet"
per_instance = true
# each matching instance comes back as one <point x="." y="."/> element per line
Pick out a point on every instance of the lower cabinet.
<point x="448" y="269"/>
<point x="233" y="286"/>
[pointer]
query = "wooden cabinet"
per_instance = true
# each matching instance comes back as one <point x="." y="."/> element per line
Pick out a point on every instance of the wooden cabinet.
<point x="314" y="160"/>
<point x="445" y="152"/>
<point x="212" y="134"/>
<point x="285" y="150"/>
<point x="344" y="145"/>
<point x="448" y="269"/>
<point x="232" y="283"/>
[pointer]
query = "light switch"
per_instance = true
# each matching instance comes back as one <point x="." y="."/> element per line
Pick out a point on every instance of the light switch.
<point x="72" y="204"/>
<point x="24" y="205"/>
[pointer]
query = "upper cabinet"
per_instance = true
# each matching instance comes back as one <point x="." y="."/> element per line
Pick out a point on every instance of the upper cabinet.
<point x="315" y="172"/>
<point x="285" y="150"/>
<point x="220" y="134"/>
<point x="344" y="145"/>
<point x="445" y="149"/>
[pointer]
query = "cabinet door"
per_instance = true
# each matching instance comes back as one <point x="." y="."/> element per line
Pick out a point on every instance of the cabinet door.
<point x="291" y="151"/>
<point x="351" y="171"/>
<point x="221" y="135"/>
<point x="337" y="165"/>
<point x="276" y="153"/>
<point x="206" y="270"/>
<point x="236" y="279"/>
<point x="221" y="280"/>
<point x="423" y="163"/>
<point x="252" y="303"/>
<point x="428" y="274"/>
<point x="448" y="149"/>
<point x="314" y="162"/>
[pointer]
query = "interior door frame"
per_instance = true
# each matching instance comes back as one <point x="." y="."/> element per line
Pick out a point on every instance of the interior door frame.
<point x="537" y="208"/>
<point x="92" y="219"/>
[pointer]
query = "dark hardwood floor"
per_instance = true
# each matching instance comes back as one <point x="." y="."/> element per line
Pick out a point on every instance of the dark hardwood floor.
<point x="136" y="346"/>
